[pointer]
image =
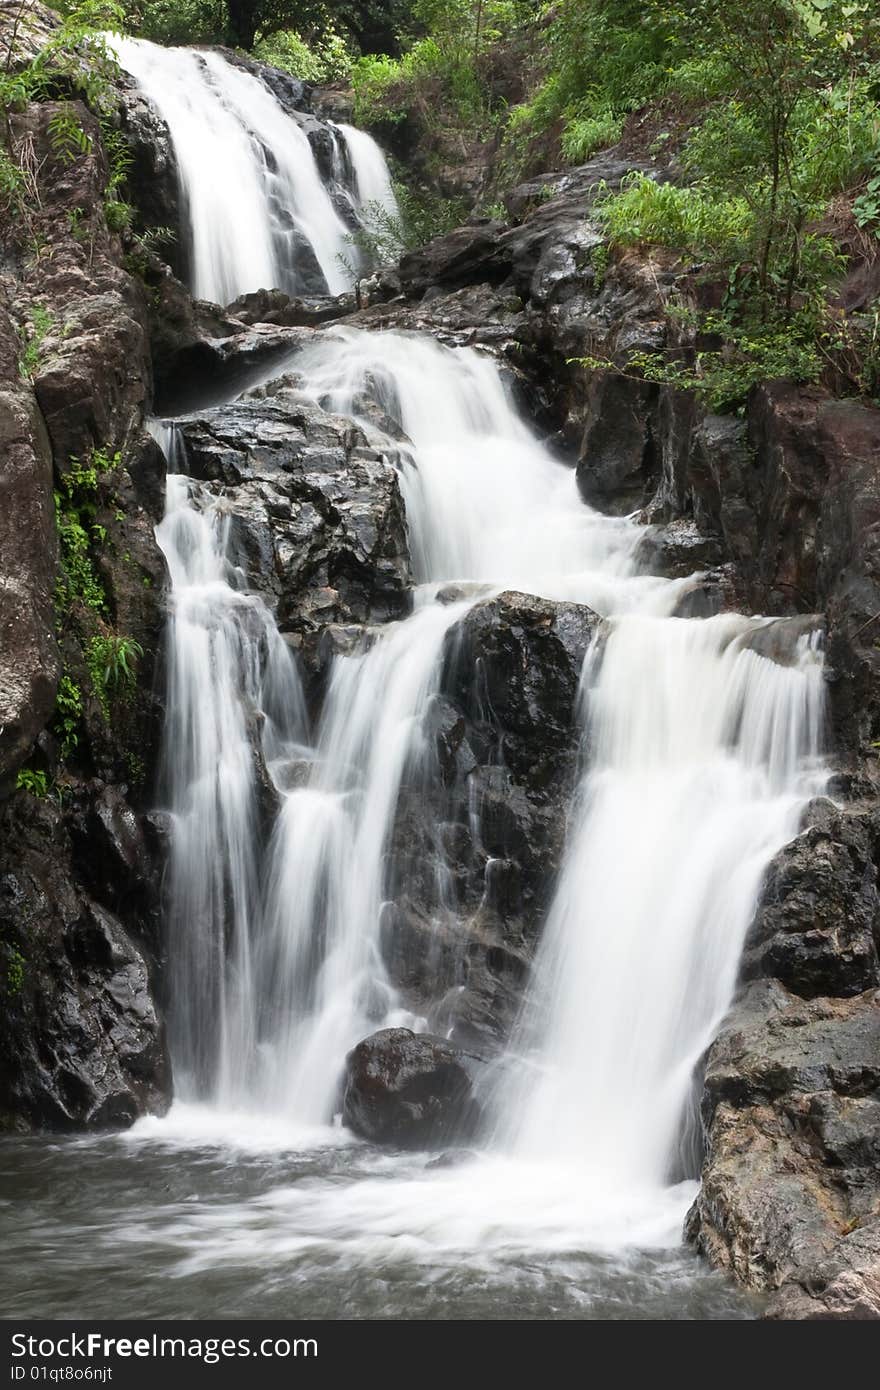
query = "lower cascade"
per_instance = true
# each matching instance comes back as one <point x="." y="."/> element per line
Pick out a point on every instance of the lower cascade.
<point x="699" y="753"/>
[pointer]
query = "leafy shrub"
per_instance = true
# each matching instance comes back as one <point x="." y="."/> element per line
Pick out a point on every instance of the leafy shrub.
<point x="78" y="531"/>
<point x="15" y="973"/>
<point x="68" y="715"/>
<point x="42" y="323"/>
<point x="584" y="135"/>
<point x="112" y="664"/>
<point x="326" y="58"/>
<point x="692" y="220"/>
<point x="32" y="780"/>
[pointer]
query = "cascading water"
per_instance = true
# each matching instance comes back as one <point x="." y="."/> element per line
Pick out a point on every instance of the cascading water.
<point x="258" y="214"/>
<point x="227" y="662"/>
<point x="363" y="165"/>
<point x="703" y="754"/>
<point x="700" y="756"/>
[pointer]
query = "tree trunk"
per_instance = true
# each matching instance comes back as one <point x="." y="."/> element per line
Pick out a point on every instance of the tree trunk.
<point x="242" y="23"/>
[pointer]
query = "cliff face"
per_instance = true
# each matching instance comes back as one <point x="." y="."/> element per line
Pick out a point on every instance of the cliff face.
<point x="779" y="508"/>
<point x="82" y="489"/>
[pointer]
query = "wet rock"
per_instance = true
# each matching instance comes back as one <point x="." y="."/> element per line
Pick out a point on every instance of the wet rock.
<point x="817" y="927"/>
<point x="551" y="210"/>
<point x="274" y="306"/>
<point x="469" y="254"/>
<point x="782" y="639"/>
<point x="790" y="1187"/>
<point x="480" y="824"/>
<point x="515" y="662"/>
<point x="152" y="180"/>
<point x="82" y="1043"/>
<point x="317" y="519"/>
<point x="189" y="343"/>
<point x="618" y="471"/>
<point x="410" y="1090"/>
<point x="844" y="1287"/>
<point x="679" y="550"/>
<point x="291" y="92"/>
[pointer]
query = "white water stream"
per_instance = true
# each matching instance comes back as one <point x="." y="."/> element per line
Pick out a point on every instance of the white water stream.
<point x="254" y="203"/>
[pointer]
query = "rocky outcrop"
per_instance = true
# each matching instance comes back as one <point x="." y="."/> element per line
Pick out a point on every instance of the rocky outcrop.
<point x="317" y="521"/>
<point x="817" y="928"/>
<point x="29" y="663"/>
<point x="790" y="1198"/>
<point x="80" y="863"/>
<point x="479" y="834"/>
<point x="410" y="1090"/>
<point x="83" y="1046"/>
<point x="151" y="177"/>
<point x="91" y="376"/>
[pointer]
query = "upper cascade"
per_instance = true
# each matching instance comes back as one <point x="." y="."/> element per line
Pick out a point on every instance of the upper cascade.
<point x="258" y="210"/>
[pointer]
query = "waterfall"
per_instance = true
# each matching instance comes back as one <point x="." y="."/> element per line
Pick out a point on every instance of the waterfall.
<point x="229" y="670"/>
<point x="256" y="209"/>
<point x="699" y="757"/>
<point x="703" y="755"/>
<point x="374" y="199"/>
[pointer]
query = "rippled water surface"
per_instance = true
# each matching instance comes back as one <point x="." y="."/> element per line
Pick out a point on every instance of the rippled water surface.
<point x="173" y="1223"/>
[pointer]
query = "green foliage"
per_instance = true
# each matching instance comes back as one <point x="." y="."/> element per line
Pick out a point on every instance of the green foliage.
<point x="723" y="377"/>
<point x="69" y="140"/>
<point x="866" y="207"/>
<point x="143" y="247"/>
<point x="177" y="21"/>
<point x="76" y="56"/>
<point x="41" y="322"/>
<point x="422" y="215"/>
<point x="599" y="262"/>
<point x="327" y="58"/>
<point x="691" y="219"/>
<point x="372" y="26"/>
<point x="118" y="214"/>
<point x="136" y="768"/>
<point x="79" y="533"/>
<point x="32" y="780"/>
<point x="68" y="715"/>
<point x="112" y="666"/>
<point x="441" y="70"/>
<point x="75" y="61"/>
<point x="15" y="971"/>
<point x="13" y="184"/>
<point x="584" y="135"/>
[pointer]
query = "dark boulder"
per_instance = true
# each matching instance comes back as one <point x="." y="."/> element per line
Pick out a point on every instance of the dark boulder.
<point x="318" y="525"/>
<point x="480" y="823"/>
<point x="274" y="306"/>
<point x="790" y="1196"/>
<point x="469" y="254"/>
<point x="151" y="179"/>
<point x="410" y="1090"/>
<point x="82" y="1043"/>
<point x="514" y="662"/>
<point x="817" y="927"/>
